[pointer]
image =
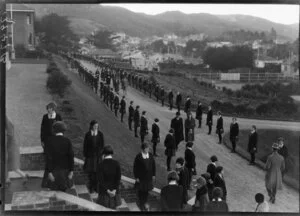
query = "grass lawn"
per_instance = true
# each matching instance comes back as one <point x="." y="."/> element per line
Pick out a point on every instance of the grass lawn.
<point x="265" y="140"/>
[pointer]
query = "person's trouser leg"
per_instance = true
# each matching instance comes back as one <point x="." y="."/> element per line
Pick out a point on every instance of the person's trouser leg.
<point x="116" y="112"/>
<point x="233" y="142"/>
<point x="199" y="123"/>
<point x="135" y="131"/>
<point x="169" y="162"/>
<point x="252" y="158"/>
<point x="130" y="124"/>
<point x="220" y="136"/>
<point x="209" y="129"/>
<point x="154" y="148"/>
<point x="122" y="115"/>
<point x="142" y="138"/>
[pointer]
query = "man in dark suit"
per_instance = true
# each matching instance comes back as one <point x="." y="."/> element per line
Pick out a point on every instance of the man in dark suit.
<point x="183" y="175"/>
<point x="162" y="96"/>
<point x="170" y="145"/>
<point x="252" y="144"/>
<point x="199" y="114"/>
<point x="190" y="162"/>
<point x="177" y="125"/>
<point x="171" y="99"/>
<point x="155" y="135"/>
<point x="178" y="101"/>
<point x="131" y="115"/>
<point x="234" y="133"/>
<point x="211" y="168"/>
<point x="144" y="126"/>
<point x="116" y="104"/>
<point x="136" y="119"/>
<point x="122" y="108"/>
<point x="187" y="106"/>
<point x="219" y="181"/>
<point x="209" y="119"/>
<point x="220" y="129"/>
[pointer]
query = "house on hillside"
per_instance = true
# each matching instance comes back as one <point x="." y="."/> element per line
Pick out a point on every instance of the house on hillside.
<point x="219" y="44"/>
<point x="290" y="66"/>
<point x="266" y="61"/>
<point x="20" y="31"/>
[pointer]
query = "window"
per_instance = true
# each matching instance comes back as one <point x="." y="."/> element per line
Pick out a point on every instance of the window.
<point x="28" y="19"/>
<point x="30" y="39"/>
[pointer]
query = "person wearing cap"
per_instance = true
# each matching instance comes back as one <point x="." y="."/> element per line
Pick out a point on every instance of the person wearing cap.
<point x="274" y="167"/>
<point x="219" y="181"/>
<point x="92" y="147"/>
<point x="47" y="122"/>
<point x="109" y="178"/>
<point x="199" y="114"/>
<point x="59" y="159"/>
<point x="144" y="171"/>
<point x="122" y="108"/>
<point x="211" y="168"/>
<point x="178" y="101"/>
<point x="190" y="162"/>
<point x="189" y="126"/>
<point x="187" y="105"/>
<point x="283" y="151"/>
<point x="209" y="119"/>
<point x="201" y="200"/>
<point x="171" y="196"/>
<point x="252" y="144"/>
<point x="234" y="133"/>
<point x="262" y="205"/>
<point x="144" y="126"/>
<point x="177" y="125"/>
<point x="183" y="175"/>
<point x="170" y="145"/>
<point x="219" y="128"/>
<point x="130" y="115"/>
<point x="217" y="204"/>
<point x="136" y="120"/>
<point x="155" y="135"/>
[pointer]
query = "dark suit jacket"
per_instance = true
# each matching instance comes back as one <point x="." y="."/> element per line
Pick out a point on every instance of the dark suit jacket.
<point x="219" y="182"/>
<point x="155" y="133"/>
<point x="116" y="102"/>
<point x="139" y="169"/>
<point x="234" y="130"/>
<point x="178" y="99"/>
<point x="283" y="152"/>
<point x="220" y="123"/>
<point x="212" y="170"/>
<point x="171" y="96"/>
<point x="189" y="157"/>
<point x="123" y="106"/>
<point x="144" y="125"/>
<point x="171" y="198"/>
<point x="217" y="206"/>
<point x="46" y="126"/>
<point x="199" y="112"/>
<point x="91" y="149"/>
<point x="131" y="112"/>
<point x="177" y="125"/>
<point x="209" y="118"/>
<point x="136" y="118"/>
<point x="252" y="142"/>
<point x="187" y="105"/>
<point x="170" y="145"/>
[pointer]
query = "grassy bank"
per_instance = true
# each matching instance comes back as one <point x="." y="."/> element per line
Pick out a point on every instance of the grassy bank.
<point x="265" y="140"/>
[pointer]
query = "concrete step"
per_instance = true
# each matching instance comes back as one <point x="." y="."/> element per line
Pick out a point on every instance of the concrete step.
<point x="85" y="196"/>
<point x="81" y="189"/>
<point x="123" y="206"/>
<point x="133" y="206"/>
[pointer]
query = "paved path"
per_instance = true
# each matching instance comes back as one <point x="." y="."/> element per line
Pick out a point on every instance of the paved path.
<point x="243" y="181"/>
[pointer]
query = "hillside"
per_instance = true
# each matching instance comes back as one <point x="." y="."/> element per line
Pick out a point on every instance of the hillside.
<point x="142" y="25"/>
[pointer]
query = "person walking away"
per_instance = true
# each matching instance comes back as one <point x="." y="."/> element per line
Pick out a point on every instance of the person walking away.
<point x="136" y="120"/>
<point x="209" y="119"/>
<point x="92" y="147"/>
<point x="183" y="177"/>
<point x="178" y="101"/>
<point x="187" y="106"/>
<point x="201" y="200"/>
<point x="262" y="205"/>
<point x="171" y="99"/>
<point x="46" y="131"/>
<point x="155" y="135"/>
<point x="283" y="151"/>
<point x="234" y="133"/>
<point x="144" y="126"/>
<point x="211" y="168"/>
<point x="60" y="159"/>
<point x="171" y="196"/>
<point x="199" y="114"/>
<point x="177" y="125"/>
<point x="144" y="170"/>
<point x="219" y="128"/>
<point x="190" y="162"/>
<point x="274" y="167"/>
<point x="252" y="144"/>
<point x="122" y="108"/>
<point x="217" y="204"/>
<point x="170" y="145"/>
<point x="116" y="104"/>
<point x="189" y="126"/>
<point x="131" y="115"/>
<point x="109" y="178"/>
<point x="219" y="181"/>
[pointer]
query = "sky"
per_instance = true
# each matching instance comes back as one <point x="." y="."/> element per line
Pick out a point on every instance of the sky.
<point x="284" y="14"/>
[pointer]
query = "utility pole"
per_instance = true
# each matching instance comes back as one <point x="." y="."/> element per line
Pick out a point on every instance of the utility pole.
<point x="13" y="56"/>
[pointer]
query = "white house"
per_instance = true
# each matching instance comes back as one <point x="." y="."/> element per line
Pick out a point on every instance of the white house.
<point x="262" y="61"/>
<point x="219" y="44"/>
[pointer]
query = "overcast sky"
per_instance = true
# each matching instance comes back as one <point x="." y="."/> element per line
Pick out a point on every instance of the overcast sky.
<point x="285" y="14"/>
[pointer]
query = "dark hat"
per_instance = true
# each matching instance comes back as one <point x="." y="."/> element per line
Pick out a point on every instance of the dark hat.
<point x="217" y="192"/>
<point x="107" y="150"/>
<point x="137" y="107"/>
<point x="51" y="105"/>
<point x="173" y="176"/>
<point x="259" y="198"/>
<point x="177" y="113"/>
<point x="219" y="169"/>
<point x="189" y="144"/>
<point x="201" y="181"/>
<point x="144" y="112"/>
<point x="145" y="145"/>
<point x="213" y="158"/>
<point x="156" y="120"/>
<point x="171" y="130"/>
<point x="59" y="127"/>
<point x="180" y="161"/>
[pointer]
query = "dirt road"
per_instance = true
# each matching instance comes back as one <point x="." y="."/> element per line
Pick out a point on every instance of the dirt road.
<point x="243" y="181"/>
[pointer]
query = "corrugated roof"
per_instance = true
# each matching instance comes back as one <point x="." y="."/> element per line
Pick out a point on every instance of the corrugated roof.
<point x="19" y="7"/>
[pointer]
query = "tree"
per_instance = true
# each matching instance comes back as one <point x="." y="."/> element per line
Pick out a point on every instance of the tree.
<point x="103" y="40"/>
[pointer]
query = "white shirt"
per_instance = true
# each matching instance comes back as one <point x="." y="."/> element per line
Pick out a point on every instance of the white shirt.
<point x="214" y="164"/>
<point x="190" y="148"/>
<point x="59" y="134"/>
<point x="94" y="133"/>
<point x="52" y="116"/>
<point x="145" y="156"/>
<point x="219" y="199"/>
<point x="172" y="183"/>
<point x="108" y="157"/>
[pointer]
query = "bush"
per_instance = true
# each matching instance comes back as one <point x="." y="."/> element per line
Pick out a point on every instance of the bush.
<point x="240" y="109"/>
<point x="57" y="83"/>
<point x="52" y="68"/>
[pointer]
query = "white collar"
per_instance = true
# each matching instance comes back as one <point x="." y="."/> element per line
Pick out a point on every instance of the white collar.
<point x="173" y="182"/>
<point x="94" y="133"/>
<point x="214" y="163"/>
<point x="59" y="134"/>
<point x="108" y="157"/>
<point x="52" y="116"/>
<point x="190" y="148"/>
<point x="219" y="199"/>
<point x="145" y="156"/>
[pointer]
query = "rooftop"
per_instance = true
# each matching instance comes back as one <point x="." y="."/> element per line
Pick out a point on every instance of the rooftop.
<point x="19" y="7"/>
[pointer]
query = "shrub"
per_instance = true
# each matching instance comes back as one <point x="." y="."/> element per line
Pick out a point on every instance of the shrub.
<point x="262" y="109"/>
<point x="240" y="109"/>
<point x="52" y="68"/>
<point x="57" y="83"/>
